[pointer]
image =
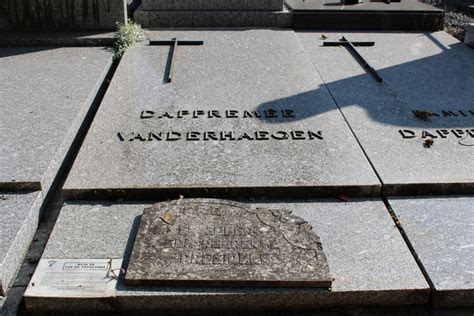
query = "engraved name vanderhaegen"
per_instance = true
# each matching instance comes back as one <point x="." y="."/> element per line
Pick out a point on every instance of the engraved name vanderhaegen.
<point x="223" y="135"/>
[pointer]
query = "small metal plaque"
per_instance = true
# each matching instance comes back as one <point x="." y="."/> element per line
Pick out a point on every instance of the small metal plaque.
<point x="202" y="242"/>
<point x="87" y="278"/>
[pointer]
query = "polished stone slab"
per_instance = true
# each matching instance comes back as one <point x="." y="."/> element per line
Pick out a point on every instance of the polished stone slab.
<point x="406" y="15"/>
<point x="46" y="94"/>
<point x="239" y="118"/>
<point x="211" y="242"/>
<point x="417" y="127"/>
<point x="368" y="259"/>
<point x="441" y="232"/>
<point x="18" y="220"/>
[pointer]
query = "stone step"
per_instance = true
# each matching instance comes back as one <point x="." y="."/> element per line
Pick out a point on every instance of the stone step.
<point x="212" y="5"/>
<point x="409" y="15"/>
<point x="213" y="18"/>
<point x="374" y="260"/>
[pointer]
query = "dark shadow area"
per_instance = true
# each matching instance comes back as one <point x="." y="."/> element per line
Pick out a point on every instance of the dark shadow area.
<point x="441" y="85"/>
<point x="15" y="51"/>
<point x="131" y="7"/>
<point x="163" y="194"/>
<point x="131" y="240"/>
<point x="57" y="39"/>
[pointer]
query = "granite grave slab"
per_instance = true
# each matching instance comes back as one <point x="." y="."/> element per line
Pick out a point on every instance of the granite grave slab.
<point x="230" y="122"/>
<point x="223" y="243"/>
<point x="417" y="127"/>
<point x="440" y="230"/>
<point x="402" y="15"/>
<point x="47" y="94"/>
<point x="368" y="259"/>
<point x="19" y="215"/>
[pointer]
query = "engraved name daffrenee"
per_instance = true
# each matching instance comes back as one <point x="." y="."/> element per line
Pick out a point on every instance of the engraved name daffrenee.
<point x="209" y="242"/>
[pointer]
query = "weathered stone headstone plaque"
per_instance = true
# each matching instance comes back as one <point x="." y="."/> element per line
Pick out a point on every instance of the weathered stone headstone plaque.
<point x="240" y="118"/>
<point x="223" y="243"/>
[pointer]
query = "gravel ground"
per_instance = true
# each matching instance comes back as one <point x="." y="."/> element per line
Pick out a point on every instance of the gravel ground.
<point x="455" y="20"/>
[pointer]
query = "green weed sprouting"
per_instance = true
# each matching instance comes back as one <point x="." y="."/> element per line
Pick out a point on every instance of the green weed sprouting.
<point x="128" y="34"/>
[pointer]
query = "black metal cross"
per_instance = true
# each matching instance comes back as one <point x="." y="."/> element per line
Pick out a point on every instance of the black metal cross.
<point x="173" y="44"/>
<point x="352" y="48"/>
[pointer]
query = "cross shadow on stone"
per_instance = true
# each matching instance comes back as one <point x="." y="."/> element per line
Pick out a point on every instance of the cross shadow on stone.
<point x="440" y="85"/>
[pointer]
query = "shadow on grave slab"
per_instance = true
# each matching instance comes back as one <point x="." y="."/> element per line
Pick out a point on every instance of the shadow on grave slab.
<point x="440" y="84"/>
<point x="15" y="51"/>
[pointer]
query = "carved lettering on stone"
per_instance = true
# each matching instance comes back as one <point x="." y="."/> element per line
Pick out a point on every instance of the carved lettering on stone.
<point x="203" y="242"/>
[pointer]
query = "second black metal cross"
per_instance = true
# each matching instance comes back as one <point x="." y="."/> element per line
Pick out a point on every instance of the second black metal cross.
<point x="351" y="46"/>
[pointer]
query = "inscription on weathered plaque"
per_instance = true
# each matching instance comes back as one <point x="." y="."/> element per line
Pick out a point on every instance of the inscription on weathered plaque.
<point x="202" y="242"/>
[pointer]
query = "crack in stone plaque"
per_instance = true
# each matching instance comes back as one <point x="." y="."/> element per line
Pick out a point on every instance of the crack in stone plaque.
<point x="210" y="242"/>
